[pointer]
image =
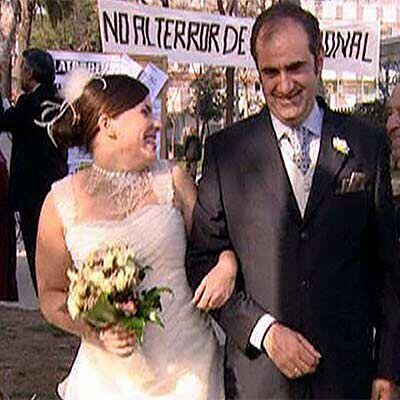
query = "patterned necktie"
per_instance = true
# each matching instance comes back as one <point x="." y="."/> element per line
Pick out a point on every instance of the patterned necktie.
<point x="300" y="139"/>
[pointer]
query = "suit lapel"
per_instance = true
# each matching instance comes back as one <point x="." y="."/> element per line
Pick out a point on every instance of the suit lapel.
<point x="264" y="149"/>
<point x="329" y="164"/>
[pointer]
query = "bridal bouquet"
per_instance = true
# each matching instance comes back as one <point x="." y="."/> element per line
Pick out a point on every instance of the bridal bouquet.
<point x="105" y="290"/>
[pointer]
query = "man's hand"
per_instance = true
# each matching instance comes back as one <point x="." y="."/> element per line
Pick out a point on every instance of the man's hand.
<point x="217" y="286"/>
<point x="382" y="389"/>
<point x="291" y="352"/>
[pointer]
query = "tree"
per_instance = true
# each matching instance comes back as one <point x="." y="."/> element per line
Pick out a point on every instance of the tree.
<point x="207" y="101"/>
<point x="297" y="2"/>
<point x="28" y="8"/>
<point x="9" y="18"/>
<point x="68" y="25"/>
<point x="230" y="9"/>
<point x="27" y="12"/>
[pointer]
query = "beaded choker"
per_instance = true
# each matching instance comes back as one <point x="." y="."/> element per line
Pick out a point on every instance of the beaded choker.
<point x="123" y="190"/>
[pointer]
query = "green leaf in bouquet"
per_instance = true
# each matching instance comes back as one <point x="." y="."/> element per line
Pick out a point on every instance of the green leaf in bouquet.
<point x="158" y="321"/>
<point x="143" y="271"/>
<point x="102" y="314"/>
<point x="135" y="324"/>
<point x="153" y="296"/>
<point x="149" y="306"/>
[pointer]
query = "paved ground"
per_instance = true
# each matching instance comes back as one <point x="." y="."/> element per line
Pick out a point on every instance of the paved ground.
<point x="26" y="293"/>
<point x="34" y="356"/>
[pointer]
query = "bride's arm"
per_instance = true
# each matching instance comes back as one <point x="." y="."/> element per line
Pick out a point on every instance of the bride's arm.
<point x="52" y="262"/>
<point x="217" y="286"/>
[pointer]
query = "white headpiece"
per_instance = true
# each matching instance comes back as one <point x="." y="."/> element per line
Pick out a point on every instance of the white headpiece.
<point x="75" y="83"/>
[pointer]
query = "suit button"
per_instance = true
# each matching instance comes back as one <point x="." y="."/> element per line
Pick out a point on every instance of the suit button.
<point x="303" y="235"/>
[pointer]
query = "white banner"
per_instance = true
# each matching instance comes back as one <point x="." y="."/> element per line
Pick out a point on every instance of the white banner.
<point x="352" y="47"/>
<point x="182" y="36"/>
<point x="96" y="63"/>
<point x="218" y="40"/>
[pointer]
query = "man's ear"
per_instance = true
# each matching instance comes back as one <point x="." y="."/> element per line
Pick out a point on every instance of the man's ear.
<point x="28" y="72"/>
<point x="319" y="61"/>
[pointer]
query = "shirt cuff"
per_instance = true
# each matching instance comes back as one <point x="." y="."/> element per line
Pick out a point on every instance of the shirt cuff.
<point x="258" y="332"/>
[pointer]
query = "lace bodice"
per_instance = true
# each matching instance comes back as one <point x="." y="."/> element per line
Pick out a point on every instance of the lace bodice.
<point x="104" y="232"/>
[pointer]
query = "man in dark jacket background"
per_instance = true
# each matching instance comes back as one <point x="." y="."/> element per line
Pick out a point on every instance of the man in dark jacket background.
<point x="35" y="162"/>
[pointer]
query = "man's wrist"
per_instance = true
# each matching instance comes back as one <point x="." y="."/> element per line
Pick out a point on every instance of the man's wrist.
<point x="259" y="331"/>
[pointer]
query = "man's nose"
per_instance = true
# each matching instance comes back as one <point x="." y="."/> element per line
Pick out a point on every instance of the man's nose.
<point x="285" y="83"/>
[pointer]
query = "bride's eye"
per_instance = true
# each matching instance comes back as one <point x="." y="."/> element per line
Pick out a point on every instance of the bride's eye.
<point x="146" y="111"/>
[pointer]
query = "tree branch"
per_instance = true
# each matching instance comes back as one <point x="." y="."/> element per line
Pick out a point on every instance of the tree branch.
<point x="221" y="7"/>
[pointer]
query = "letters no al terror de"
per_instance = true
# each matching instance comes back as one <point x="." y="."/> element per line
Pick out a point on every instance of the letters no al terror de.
<point x="174" y="34"/>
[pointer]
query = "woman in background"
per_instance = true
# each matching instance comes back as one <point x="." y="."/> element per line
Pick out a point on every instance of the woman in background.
<point x="8" y="283"/>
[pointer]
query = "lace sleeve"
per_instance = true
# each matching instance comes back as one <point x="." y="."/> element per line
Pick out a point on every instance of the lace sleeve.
<point x="64" y="201"/>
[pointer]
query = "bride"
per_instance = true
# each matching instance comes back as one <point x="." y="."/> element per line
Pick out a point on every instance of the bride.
<point x="128" y="197"/>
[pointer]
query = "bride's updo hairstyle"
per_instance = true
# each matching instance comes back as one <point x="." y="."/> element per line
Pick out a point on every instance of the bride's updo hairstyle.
<point x="111" y="95"/>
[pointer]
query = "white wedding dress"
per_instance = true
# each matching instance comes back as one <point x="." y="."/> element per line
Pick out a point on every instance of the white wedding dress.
<point x="181" y="361"/>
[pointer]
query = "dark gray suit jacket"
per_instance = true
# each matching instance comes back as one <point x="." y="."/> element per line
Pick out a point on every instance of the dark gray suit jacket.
<point x="35" y="162"/>
<point x="332" y="275"/>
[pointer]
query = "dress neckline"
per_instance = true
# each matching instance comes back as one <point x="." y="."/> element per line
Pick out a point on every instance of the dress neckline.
<point x="136" y="214"/>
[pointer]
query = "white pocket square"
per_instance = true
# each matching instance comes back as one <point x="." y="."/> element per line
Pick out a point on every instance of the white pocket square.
<point x="356" y="183"/>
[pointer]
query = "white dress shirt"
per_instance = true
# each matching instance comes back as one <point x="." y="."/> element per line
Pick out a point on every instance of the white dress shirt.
<point x="301" y="185"/>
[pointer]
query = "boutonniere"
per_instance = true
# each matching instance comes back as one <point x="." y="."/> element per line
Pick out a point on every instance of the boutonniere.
<point x="340" y="145"/>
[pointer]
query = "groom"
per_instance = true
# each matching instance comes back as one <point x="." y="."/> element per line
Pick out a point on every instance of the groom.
<point x="303" y="197"/>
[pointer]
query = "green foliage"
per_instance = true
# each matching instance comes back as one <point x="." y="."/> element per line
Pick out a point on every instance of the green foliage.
<point x="60" y="30"/>
<point x="148" y="312"/>
<point x="104" y="313"/>
<point x="179" y="151"/>
<point x="208" y="100"/>
<point x="58" y="10"/>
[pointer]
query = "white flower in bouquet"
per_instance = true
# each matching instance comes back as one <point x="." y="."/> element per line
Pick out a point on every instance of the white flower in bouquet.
<point x="105" y="290"/>
<point x="122" y="258"/>
<point x="74" y="305"/>
<point x="121" y="281"/>
<point x="153" y="316"/>
<point x="97" y="278"/>
<point x="109" y="261"/>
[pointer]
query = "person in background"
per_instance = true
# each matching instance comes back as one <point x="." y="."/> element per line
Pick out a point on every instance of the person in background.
<point x="393" y="130"/>
<point x="35" y="161"/>
<point x="393" y="122"/>
<point x="192" y="154"/>
<point x="8" y="283"/>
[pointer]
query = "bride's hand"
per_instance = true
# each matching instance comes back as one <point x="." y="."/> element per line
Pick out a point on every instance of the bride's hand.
<point x="118" y="341"/>
<point x="217" y="286"/>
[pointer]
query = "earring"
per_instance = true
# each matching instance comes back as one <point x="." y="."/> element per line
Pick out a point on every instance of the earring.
<point x="112" y="131"/>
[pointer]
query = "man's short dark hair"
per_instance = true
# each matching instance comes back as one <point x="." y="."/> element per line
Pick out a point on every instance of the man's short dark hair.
<point x="274" y="15"/>
<point x="41" y="64"/>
